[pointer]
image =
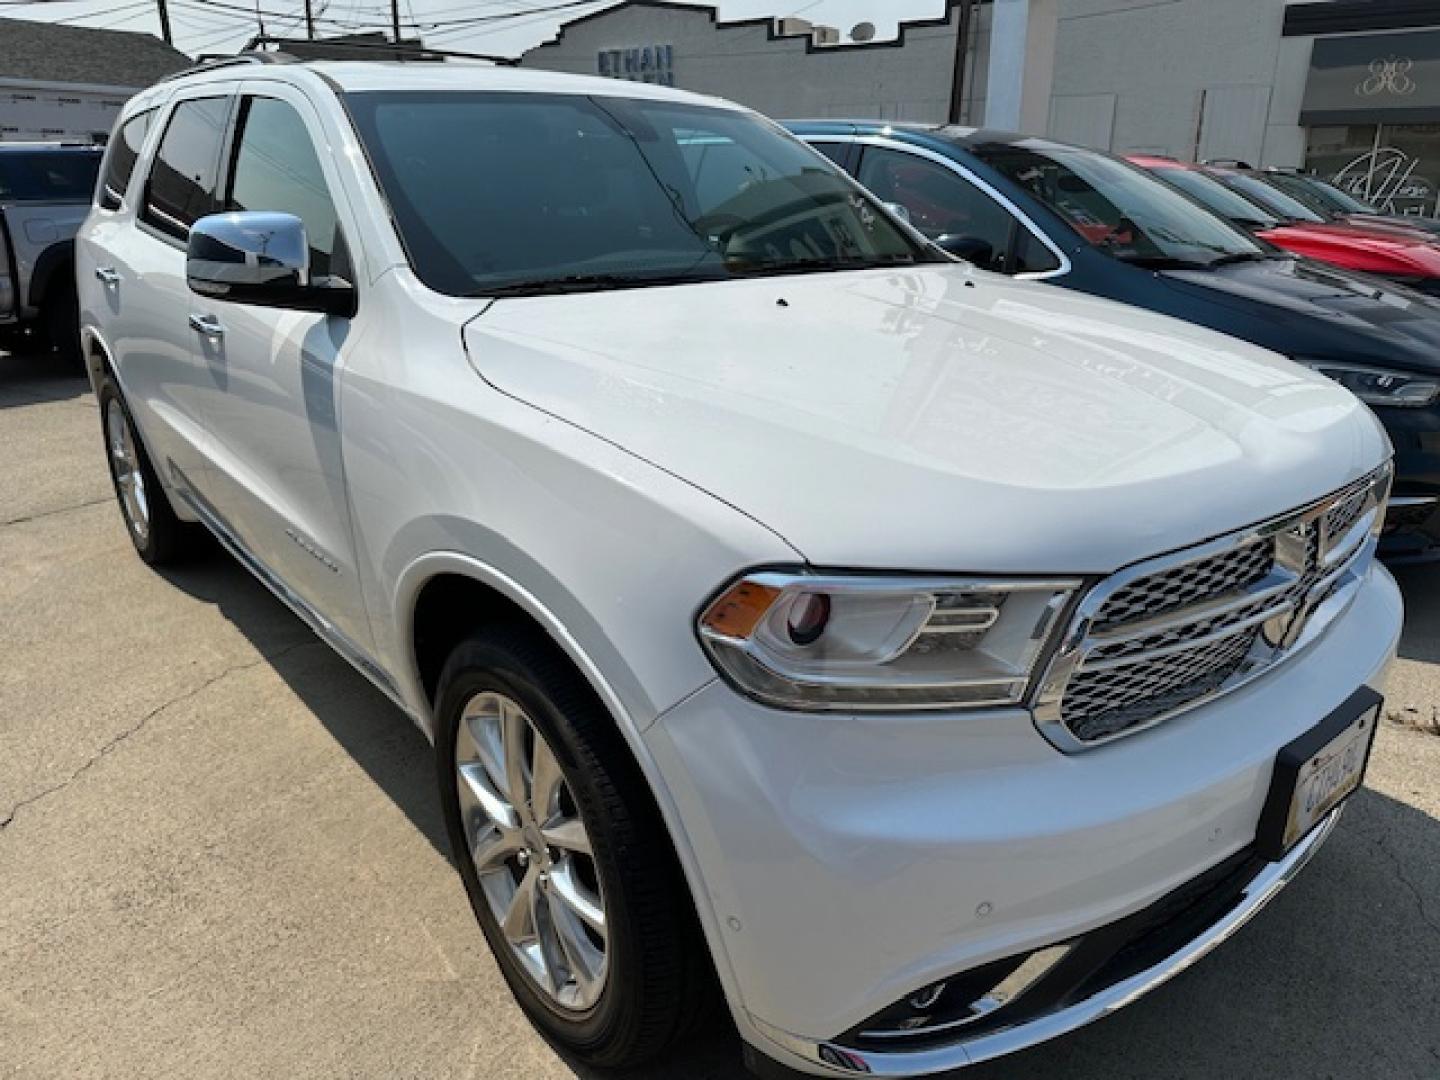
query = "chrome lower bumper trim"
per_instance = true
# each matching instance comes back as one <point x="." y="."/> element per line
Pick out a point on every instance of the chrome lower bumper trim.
<point x="835" y="1060"/>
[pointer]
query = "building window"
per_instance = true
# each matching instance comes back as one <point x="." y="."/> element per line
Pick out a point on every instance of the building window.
<point x="1396" y="167"/>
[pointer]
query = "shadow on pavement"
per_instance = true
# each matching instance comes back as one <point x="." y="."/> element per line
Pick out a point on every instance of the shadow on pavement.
<point x="34" y="378"/>
<point x="377" y="735"/>
<point x="1335" y="979"/>
<point x="1420" y="584"/>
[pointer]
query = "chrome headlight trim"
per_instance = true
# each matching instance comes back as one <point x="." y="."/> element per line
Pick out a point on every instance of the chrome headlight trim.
<point x="892" y="643"/>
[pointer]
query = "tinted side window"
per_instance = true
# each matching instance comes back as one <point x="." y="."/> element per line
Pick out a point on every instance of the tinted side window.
<point x="182" y="180"/>
<point x="941" y="203"/>
<point x="124" y="152"/>
<point x="275" y="167"/>
<point x="48" y="175"/>
<point x="1030" y="255"/>
<point x="837" y="152"/>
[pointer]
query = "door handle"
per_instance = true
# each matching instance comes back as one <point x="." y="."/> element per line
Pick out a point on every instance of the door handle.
<point x="208" y="325"/>
<point x="108" y="275"/>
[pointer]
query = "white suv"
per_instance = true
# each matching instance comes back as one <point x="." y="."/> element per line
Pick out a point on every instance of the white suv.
<point x="931" y="661"/>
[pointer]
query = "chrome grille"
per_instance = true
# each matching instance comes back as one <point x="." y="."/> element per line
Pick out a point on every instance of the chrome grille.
<point x="1186" y="584"/>
<point x="1160" y="637"/>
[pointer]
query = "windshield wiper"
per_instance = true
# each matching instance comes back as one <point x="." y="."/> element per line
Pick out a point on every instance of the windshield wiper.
<point x="815" y="266"/>
<point x="1241" y="257"/>
<point x="1163" y="262"/>
<point x="573" y="283"/>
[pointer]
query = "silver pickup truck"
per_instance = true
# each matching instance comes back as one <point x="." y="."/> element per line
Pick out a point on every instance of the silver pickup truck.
<point x="45" y="193"/>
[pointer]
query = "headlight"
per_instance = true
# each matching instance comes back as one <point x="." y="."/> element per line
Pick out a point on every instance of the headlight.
<point x="861" y="642"/>
<point x="1380" y="386"/>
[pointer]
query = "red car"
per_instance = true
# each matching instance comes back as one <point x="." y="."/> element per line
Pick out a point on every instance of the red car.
<point x="1400" y="254"/>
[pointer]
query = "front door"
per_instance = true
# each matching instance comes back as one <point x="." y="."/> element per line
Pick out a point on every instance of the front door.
<point x="279" y="481"/>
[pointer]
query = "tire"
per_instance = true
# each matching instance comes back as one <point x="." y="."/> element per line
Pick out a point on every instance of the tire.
<point x="160" y="538"/>
<point x="61" y="313"/>
<point x="657" y="983"/>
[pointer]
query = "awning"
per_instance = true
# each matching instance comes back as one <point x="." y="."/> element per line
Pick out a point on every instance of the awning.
<point x="1374" y="78"/>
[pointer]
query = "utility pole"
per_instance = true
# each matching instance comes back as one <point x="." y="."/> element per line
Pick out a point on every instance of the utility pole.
<point x="962" y="44"/>
<point x="395" y="21"/>
<point x="309" y="20"/>
<point x="164" y="11"/>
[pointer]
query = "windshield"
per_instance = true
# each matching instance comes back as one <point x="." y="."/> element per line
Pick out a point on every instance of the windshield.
<point x="1311" y="194"/>
<point x="1211" y="193"/>
<point x="498" y="193"/>
<point x="1119" y="208"/>
<point x="1273" y="199"/>
<point x="1342" y="198"/>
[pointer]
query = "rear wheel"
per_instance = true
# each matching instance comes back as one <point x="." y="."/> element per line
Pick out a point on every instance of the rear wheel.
<point x="158" y="535"/>
<point x="568" y="867"/>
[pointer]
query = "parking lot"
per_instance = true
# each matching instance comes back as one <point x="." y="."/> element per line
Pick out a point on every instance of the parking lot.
<point x="222" y="856"/>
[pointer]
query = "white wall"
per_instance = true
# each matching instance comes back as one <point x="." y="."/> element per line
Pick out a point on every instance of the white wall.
<point x="1188" y="75"/>
<point x="776" y="77"/>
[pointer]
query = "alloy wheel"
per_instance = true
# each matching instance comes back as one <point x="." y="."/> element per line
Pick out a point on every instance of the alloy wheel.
<point x="531" y="851"/>
<point x="125" y="466"/>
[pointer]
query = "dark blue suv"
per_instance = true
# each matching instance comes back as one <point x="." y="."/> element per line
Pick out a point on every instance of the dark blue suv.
<point x="1083" y="220"/>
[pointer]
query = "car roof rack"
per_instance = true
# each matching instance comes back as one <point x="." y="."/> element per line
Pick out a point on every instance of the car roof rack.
<point x="1228" y="163"/>
<point x="216" y="62"/>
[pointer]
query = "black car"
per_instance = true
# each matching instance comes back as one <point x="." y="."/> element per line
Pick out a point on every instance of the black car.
<point x="1087" y="221"/>
<point x="1338" y="204"/>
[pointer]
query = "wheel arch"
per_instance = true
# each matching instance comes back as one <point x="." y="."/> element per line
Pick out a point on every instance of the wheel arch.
<point x="54" y="261"/>
<point x="433" y="571"/>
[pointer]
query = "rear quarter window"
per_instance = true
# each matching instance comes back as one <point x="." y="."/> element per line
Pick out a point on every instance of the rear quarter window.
<point x="120" y="161"/>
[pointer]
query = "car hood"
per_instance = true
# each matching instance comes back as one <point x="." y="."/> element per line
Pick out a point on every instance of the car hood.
<point x="1349" y="316"/>
<point x="936" y="418"/>
<point x="1377" y="249"/>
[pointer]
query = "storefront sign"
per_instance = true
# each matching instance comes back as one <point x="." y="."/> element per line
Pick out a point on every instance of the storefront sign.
<point x="1374" y="78"/>
<point x="644" y="63"/>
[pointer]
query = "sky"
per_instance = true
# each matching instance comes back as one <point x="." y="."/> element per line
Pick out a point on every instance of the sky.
<point x="503" y="27"/>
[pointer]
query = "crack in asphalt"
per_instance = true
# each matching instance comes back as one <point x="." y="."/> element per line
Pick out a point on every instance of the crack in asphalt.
<point x="1403" y="875"/>
<point x="58" y="510"/>
<point x="136" y="727"/>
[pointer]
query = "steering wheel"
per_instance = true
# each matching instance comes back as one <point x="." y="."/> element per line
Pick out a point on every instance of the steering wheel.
<point x="1123" y="226"/>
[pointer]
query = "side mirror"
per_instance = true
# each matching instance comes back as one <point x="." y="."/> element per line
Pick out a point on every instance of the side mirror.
<point x="260" y="258"/>
<point x="970" y="248"/>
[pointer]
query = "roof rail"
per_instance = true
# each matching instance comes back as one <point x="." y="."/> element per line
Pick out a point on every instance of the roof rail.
<point x="1228" y="163"/>
<point x="213" y="63"/>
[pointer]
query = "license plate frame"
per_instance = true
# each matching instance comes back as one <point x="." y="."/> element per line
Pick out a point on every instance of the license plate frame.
<point x="1348" y="731"/>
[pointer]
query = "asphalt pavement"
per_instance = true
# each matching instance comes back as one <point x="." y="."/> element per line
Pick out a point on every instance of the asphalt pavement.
<point x="221" y="853"/>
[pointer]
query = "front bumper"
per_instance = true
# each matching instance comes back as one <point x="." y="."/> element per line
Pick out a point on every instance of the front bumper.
<point x="849" y="861"/>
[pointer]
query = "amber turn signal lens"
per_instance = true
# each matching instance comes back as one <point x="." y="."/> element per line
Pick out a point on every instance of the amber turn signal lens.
<point x="736" y="613"/>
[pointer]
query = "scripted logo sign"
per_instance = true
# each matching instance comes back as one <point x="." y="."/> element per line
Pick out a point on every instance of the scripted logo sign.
<point x="1388" y="75"/>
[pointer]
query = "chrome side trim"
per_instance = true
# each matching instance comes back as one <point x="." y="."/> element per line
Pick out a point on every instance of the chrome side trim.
<point x="832" y="1059"/>
<point x="327" y="631"/>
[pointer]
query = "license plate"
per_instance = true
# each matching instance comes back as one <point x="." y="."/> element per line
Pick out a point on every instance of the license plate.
<point x="1317" y="772"/>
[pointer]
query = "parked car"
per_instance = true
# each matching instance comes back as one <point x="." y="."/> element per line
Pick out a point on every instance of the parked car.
<point x="1403" y="255"/>
<point x="1085" y="221"/>
<point x="1333" y="202"/>
<point x="768" y="581"/>
<point x="45" y="192"/>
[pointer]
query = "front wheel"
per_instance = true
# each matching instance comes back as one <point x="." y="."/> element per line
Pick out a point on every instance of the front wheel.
<point x="568" y="868"/>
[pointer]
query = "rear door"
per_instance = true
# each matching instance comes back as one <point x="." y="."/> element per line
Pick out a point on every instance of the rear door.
<point x="139" y="265"/>
<point x="279" y="482"/>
